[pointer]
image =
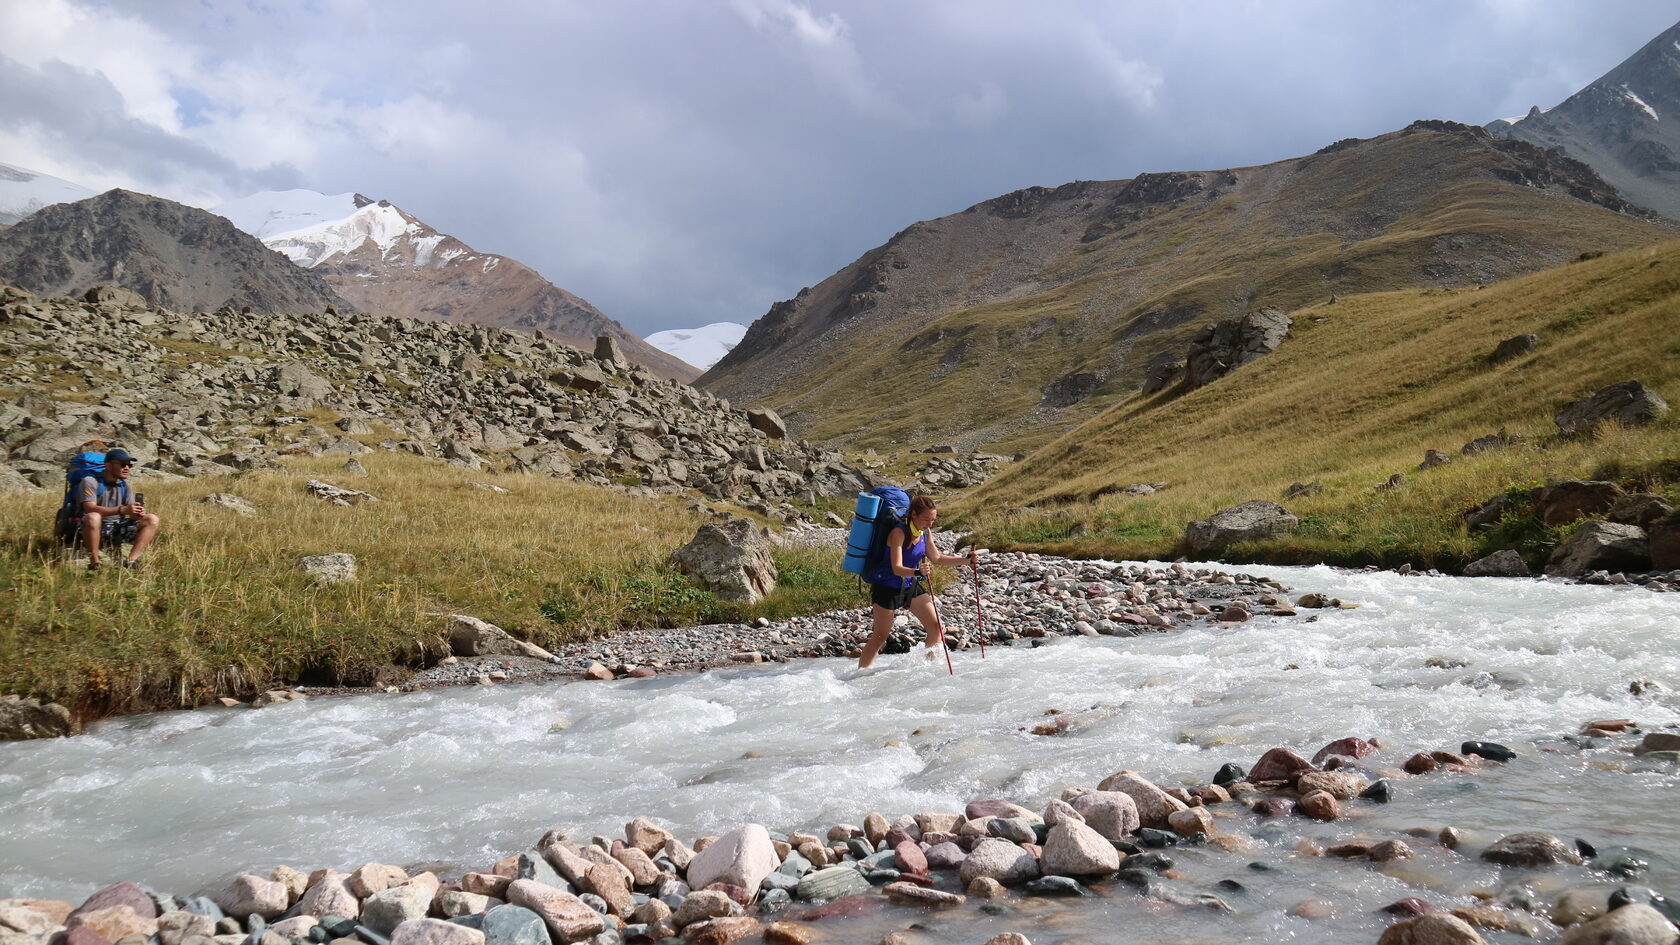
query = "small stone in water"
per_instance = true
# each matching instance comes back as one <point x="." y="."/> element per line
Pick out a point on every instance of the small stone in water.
<point x="1488" y="750"/>
<point x="1057" y="886"/>
<point x="1380" y="791"/>
<point x="1155" y="839"/>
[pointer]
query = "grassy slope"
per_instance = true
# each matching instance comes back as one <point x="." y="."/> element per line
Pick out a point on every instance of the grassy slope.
<point x="1405" y="210"/>
<point x="1358" y="396"/>
<point x="221" y="609"/>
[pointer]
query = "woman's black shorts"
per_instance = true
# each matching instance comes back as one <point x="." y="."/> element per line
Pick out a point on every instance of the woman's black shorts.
<point x="893" y="598"/>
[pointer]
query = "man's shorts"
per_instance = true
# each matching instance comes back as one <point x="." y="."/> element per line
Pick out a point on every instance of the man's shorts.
<point x="119" y="530"/>
<point x="893" y="598"/>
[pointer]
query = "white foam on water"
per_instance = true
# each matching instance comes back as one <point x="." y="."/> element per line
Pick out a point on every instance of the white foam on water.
<point x="460" y="777"/>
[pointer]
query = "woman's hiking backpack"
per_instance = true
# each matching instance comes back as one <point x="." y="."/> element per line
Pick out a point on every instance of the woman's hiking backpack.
<point x="878" y="510"/>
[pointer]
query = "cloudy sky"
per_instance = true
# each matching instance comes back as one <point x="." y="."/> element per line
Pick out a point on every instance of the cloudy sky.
<point x="679" y="162"/>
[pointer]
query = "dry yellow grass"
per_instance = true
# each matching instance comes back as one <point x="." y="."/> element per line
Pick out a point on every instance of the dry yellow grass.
<point x="1367" y="384"/>
<point x="221" y="607"/>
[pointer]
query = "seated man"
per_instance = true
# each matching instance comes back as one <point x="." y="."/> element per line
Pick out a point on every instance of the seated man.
<point x="109" y="512"/>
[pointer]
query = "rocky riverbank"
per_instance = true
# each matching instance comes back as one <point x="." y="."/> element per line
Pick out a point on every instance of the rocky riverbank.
<point x="1122" y="839"/>
<point x="1024" y="599"/>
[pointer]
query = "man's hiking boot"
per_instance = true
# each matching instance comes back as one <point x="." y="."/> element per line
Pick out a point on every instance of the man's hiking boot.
<point x="132" y="565"/>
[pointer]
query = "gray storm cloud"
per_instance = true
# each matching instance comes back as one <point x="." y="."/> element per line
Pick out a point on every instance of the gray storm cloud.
<point x="679" y="164"/>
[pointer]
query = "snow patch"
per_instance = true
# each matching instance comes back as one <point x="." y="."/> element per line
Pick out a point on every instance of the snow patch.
<point x="701" y="347"/>
<point x="286" y="211"/>
<point x="23" y="191"/>
<point x="490" y="262"/>
<point x="1635" y="99"/>
<point x="423" y="248"/>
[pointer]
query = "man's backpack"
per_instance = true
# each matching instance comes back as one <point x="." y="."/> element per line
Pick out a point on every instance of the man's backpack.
<point x="89" y="462"/>
<point x="878" y="510"/>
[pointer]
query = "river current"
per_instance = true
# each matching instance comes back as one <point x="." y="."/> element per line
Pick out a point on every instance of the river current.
<point x="454" y="779"/>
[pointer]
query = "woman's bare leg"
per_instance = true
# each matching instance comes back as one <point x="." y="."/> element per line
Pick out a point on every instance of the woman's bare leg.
<point x="922" y="608"/>
<point x="877" y="636"/>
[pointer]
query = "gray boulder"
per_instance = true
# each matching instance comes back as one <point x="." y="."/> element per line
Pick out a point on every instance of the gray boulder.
<point x="1162" y="376"/>
<point x="1629" y="403"/>
<point x="22" y="718"/>
<point x="732" y="560"/>
<point x="1514" y="347"/>
<point x="1502" y="563"/>
<point x="1664" y="536"/>
<point x="470" y="636"/>
<point x="1250" y="521"/>
<point x="767" y="422"/>
<point x="607" y="350"/>
<point x="1221" y="348"/>
<point x="1641" y="508"/>
<point x="1601" y="546"/>
<point x="336" y="568"/>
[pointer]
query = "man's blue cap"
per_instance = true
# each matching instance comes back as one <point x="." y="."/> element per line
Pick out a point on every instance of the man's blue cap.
<point x="117" y="457"/>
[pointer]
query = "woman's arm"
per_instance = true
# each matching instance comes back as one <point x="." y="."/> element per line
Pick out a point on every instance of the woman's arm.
<point x="938" y="557"/>
<point x="895" y="553"/>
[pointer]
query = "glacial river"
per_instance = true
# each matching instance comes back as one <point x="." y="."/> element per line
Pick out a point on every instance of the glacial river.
<point x="454" y="779"/>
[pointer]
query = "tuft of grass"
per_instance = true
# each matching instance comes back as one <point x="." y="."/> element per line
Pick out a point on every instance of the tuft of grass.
<point x="221" y="608"/>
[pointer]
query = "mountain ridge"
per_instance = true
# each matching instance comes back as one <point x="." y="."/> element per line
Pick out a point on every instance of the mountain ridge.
<point x="173" y="255"/>
<point x="1015" y="301"/>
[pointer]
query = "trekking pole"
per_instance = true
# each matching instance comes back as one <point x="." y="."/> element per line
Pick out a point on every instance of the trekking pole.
<point x="979" y="616"/>
<point x="933" y="599"/>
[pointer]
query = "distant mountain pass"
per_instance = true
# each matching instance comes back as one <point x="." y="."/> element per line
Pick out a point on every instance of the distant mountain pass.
<point x="23" y="191"/>
<point x="385" y="260"/>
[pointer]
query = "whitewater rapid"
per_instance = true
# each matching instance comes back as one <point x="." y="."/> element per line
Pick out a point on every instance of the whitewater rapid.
<point x="454" y="779"/>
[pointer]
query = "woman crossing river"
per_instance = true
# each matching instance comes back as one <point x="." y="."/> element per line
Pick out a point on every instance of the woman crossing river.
<point x="894" y="585"/>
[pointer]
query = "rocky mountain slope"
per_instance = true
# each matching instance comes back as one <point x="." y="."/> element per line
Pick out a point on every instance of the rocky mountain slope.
<point x="194" y="395"/>
<point x="23" y="191"/>
<point x="174" y="256"/>
<point x="1626" y="125"/>
<point x="384" y="259"/>
<point x="1023" y="315"/>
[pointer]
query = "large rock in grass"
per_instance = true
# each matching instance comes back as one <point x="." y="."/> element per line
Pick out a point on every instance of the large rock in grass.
<point x="1565" y="502"/>
<point x="742" y="857"/>
<point x="1601" y="546"/>
<point x="732" y="560"/>
<point x="470" y="636"/>
<point x="336" y="568"/>
<point x="1629" y="403"/>
<point x="1225" y="346"/>
<point x="1250" y="521"/>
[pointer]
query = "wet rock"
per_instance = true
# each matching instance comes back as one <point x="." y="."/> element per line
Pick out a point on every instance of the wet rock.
<point x="514" y="925"/>
<point x="945" y="855"/>
<point x="435" y="932"/>
<point x="724" y="931"/>
<point x="120" y="894"/>
<point x="1312" y="909"/>
<point x="1420" y="763"/>
<point x="1113" y="814"/>
<point x="252" y="895"/>
<point x="1000" y="860"/>
<point x="1380" y="791"/>
<point x="1435" y="929"/>
<point x="1154" y="805"/>
<point x="1229" y="773"/>
<point x="1279" y="764"/>
<point x="1531" y="848"/>
<point x="1629" y="403"/>
<point x="113" y="923"/>
<point x="1341" y="785"/>
<point x="1351" y="747"/>
<point x="834" y="882"/>
<point x="732" y="560"/>
<point x="330" y="895"/>
<point x="1320" y="805"/>
<point x="908" y="855"/>
<point x="742" y="857"/>
<point x="1502" y="563"/>
<point x="1389" y="850"/>
<point x="1633" y="924"/>
<point x="1190" y="822"/>
<point x="985" y="888"/>
<point x="1075" y="849"/>
<point x="1659" y="741"/>
<point x="567" y="917"/>
<point x="1495" y="919"/>
<point x="1008" y="938"/>
<point x="1251" y="521"/>
<point x="1056" y="886"/>
<point x="1272" y="806"/>
<point x="702" y="905"/>
<point x="909" y="894"/>
<point x="1489" y="750"/>
<point x="788" y="933"/>
<point x="1410" y="907"/>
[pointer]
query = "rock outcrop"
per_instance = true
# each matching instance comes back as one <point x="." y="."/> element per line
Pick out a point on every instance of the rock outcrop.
<point x="1223" y="347"/>
<point x="1601" y="546"/>
<point x="732" y="560"/>
<point x="1250" y="521"/>
<point x="22" y="718"/>
<point x="1629" y="403"/>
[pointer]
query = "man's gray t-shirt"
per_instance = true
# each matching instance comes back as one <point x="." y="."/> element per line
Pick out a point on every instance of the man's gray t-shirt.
<point x="96" y="490"/>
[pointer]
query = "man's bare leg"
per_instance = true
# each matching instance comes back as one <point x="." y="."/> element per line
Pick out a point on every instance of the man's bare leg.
<point x="148" y="531"/>
<point x="91" y="533"/>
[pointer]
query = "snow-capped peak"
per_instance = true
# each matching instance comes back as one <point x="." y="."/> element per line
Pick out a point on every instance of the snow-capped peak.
<point x="309" y="227"/>
<point x="701" y="347"/>
<point x="23" y="192"/>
